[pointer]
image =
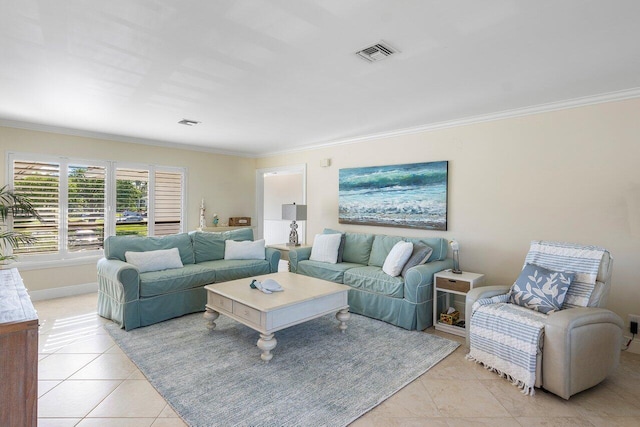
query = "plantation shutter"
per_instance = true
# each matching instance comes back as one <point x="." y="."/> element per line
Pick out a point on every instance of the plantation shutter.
<point x="40" y="182"/>
<point x="168" y="203"/>
<point x="86" y="207"/>
<point x="132" y="195"/>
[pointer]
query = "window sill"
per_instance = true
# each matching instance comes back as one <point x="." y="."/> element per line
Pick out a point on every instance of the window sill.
<point x="55" y="263"/>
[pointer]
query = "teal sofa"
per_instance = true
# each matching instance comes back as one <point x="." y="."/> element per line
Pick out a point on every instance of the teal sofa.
<point x="402" y="301"/>
<point x="133" y="299"/>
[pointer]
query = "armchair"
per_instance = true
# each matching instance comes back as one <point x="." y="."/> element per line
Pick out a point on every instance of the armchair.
<point x="578" y="346"/>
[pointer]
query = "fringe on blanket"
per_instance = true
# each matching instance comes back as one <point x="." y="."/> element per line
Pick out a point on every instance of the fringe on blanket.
<point x="527" y="390"/>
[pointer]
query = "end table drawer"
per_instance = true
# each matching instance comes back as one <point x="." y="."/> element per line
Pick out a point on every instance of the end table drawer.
<point x="453" y="285"/>
<point x="246" y="312"/>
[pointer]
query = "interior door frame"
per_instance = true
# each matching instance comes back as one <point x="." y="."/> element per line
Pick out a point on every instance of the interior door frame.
<point x="260" y="174"/>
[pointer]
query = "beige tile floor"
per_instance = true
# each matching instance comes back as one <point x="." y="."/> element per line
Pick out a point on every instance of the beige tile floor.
<point x="86" y="380"/>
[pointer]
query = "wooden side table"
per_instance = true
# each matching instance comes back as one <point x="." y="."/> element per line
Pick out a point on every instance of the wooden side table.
<point x="18" y="353"/>
<point x="452" y="284"/>
<point x="284" y="251"/>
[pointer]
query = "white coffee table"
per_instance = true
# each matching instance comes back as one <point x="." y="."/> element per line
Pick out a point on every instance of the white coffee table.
<point x="304" y="298"/>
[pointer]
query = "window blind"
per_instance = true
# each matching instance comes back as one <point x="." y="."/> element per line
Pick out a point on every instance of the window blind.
<point x="40" y="181"/>
<point x="168" y="203"/>
<point x="86" y="207"/>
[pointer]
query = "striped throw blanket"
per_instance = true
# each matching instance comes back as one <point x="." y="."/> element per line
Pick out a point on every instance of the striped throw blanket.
<point x="506" y="338"/>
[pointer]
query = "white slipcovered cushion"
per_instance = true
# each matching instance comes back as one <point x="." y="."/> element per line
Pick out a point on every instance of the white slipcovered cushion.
<point x="245" y="249"/>
<point x="397" y="258"/>
<point x="162" y="259"/>
<point x="325" y="248"/>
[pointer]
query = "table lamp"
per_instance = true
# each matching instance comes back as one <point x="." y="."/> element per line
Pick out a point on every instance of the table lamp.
<point x="294" y="213"/>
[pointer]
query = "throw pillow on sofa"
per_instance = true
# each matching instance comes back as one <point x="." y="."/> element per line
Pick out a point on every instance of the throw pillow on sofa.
<point x="342" y="241"/>
<point x="162" y="259"/>
<point x="397" y="258"/>
<point x="540" y="289"/>
<point x="325" y="248"/>
<point x="246" y="249"/>
<point x="419" y="256"/>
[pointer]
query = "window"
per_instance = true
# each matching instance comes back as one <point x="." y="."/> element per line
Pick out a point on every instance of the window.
<point x="81" y="202"/>
<point x="132" y="194"/>
<point x="41" y="181"/>
<point x="86" y="192"/>
<point x="168" y="202"/>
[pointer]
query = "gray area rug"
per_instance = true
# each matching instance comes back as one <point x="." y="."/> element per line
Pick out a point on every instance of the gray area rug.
<point x="317" y="377"/>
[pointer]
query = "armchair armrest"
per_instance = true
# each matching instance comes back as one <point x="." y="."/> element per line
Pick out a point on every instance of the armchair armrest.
<point x="273" y="256"/>
<point x="418" y="283"/>
<point x="297" y="255"/>
<point x="581" y="347"/>
<point x="478" y="293"/>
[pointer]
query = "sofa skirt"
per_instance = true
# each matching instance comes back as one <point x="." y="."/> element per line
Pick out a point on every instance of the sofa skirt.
<point x="397" y="311"/>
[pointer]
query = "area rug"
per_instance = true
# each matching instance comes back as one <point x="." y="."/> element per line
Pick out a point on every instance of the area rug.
<point x="317" y="377"/>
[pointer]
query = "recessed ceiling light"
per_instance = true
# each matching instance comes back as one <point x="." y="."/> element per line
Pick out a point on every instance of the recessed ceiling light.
<point x="188" y="122"/>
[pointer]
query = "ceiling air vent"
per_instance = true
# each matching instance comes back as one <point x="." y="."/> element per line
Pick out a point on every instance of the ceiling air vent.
<point x="376" y="52"/>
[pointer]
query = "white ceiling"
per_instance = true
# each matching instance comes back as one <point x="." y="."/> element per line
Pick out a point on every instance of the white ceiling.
<point x="271" y="76"/>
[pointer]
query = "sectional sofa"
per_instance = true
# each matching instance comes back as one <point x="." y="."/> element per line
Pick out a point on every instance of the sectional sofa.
<point x="132" y="298"/>
<point x="402" y="301"/>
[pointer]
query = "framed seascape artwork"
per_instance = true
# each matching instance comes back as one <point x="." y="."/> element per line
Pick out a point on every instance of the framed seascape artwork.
<point x="411" y="195"/>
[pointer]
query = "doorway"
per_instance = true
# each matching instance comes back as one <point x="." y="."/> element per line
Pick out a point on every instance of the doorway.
<point x="275" y="187"/>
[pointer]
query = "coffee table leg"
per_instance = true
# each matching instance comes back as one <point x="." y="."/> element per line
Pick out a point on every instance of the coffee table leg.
<point x="343" y="315"/>
<point x="210" y="316"/>
<point x="266" y="343"/>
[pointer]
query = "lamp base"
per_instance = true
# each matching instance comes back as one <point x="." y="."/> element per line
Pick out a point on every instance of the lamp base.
<point x="456" y="263"/>
<point x="293" y="235"/>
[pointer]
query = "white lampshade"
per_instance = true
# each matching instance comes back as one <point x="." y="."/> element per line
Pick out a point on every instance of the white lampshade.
<point x="294" y="212"/>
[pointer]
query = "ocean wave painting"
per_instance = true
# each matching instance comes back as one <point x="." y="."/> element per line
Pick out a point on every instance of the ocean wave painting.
<point x="410" y="195"/>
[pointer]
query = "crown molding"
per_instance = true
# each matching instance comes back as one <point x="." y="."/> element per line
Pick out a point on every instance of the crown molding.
<point x="507" y="114"/>
<point x="118" y="138"/>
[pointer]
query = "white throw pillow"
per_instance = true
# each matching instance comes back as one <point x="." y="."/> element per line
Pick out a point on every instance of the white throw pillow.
<point x="162" y="259"/>
<point x="245" y="249"/>
<point x="397" y="258"/>
<point x="325" y="248"/>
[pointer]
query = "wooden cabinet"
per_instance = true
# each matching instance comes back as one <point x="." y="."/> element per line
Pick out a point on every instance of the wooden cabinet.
<point x="18" y="353"/>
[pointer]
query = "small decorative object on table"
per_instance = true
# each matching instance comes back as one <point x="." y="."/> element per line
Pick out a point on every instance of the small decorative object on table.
<point x="267" y="286"/>
<point x="202" y="209"/>
<point x="237" y="221"/>
<point x="215" y="220"/>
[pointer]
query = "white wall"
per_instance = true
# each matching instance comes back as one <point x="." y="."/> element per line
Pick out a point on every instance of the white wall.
<point x="570" y="175"/>
<point x="279" y="189"/>
<point x="226" y="183"/>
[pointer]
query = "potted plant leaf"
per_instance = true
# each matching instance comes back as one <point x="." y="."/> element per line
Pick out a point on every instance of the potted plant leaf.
<point x="12" y="205"/>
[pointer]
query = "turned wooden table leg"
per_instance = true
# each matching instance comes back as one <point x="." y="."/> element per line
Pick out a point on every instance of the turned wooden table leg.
<point x="342" y="316"/>
<point x="266" y="343"/>
<point x="210" y="316"/>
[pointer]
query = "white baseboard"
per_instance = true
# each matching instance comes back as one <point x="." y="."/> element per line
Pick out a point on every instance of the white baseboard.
<point x="65" y="291"/>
